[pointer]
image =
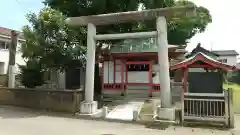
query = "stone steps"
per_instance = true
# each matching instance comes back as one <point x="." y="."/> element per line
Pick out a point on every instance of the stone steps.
<point x="136" y="94"/>
<point x="130" y="94"/>
<point x="113" y="98"/>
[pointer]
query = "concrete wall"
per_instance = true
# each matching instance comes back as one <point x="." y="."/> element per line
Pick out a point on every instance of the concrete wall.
<point x="2" y="80"/>
<point x="57" y="80"/>
<point x="52" y="100"/>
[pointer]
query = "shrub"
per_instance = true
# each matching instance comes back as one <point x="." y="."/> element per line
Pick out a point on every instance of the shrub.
<point x="32" y="74"/>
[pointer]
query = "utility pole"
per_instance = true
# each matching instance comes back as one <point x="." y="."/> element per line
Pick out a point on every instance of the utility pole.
<point x="12" y="59"/>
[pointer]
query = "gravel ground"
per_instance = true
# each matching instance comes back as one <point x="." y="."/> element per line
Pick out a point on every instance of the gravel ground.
<point x="15" y="121"/>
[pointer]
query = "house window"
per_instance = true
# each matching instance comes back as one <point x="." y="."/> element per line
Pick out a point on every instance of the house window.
<point x="138" y="67"/>
<point x="223" y="60"/>
<point x="4" y="45"/>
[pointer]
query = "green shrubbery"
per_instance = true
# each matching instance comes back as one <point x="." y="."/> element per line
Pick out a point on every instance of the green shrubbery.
<point x="32" y="74"/>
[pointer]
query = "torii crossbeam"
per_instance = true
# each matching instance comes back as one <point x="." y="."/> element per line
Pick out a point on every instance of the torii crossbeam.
<point x="89" y="106"/>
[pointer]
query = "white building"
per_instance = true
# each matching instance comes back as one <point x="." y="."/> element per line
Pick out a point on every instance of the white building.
<point x="227" y="56"/>
<point x="5" y="36"/>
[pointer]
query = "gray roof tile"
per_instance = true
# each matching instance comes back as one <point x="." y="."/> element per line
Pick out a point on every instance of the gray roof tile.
<point x="226" y="52"/>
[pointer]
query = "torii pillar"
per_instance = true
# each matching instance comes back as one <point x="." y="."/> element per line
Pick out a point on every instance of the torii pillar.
<point x="163" y="60"/>
<point x="89" y="106"/>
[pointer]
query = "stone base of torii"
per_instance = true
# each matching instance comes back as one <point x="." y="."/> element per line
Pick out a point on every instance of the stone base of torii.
<point x="89" y="106"/>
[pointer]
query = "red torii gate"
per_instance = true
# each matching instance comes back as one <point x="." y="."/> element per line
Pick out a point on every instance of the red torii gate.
<point x="193" y="62"/>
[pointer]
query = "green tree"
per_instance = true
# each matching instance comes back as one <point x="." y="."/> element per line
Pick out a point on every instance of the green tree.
<point x="50" y="41"/>
<point x="32" y="74"/>
<point x="235" y="77"/>
<point x="179" y="29"/>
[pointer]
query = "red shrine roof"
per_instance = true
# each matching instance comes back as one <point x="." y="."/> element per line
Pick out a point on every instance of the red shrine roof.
<point x="203" y="58"/>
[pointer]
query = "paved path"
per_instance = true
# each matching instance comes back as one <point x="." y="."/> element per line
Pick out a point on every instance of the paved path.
<point x="21" y="122"/>
<point x="125" y="111"/>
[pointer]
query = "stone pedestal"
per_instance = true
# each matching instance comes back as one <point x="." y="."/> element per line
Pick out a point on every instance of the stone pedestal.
<point x="11" y="76"/>
<point x="166" y="114"/>
<point x="88" y="107"/>
<point x="61" y="80"/>
<point x="135" y="115"/>
<point x="105" y="112"/>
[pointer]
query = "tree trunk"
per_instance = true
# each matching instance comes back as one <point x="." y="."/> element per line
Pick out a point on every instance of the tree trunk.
<point x="97" y="86"/>
<point x="97" y="78"/>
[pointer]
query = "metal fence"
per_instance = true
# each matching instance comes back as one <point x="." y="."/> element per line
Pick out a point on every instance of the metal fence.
<point x="208" y="107"/>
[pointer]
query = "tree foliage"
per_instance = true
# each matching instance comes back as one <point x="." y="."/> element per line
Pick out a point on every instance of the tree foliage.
<point x="179" y="29"/>
<point x="50" y="41"/>
<point x="32" y="74"/>
<point x="234" y="77"/>
<point x="55" y="45"/>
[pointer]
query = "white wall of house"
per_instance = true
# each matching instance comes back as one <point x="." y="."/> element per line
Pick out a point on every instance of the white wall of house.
<point x="230" y="60"/>
<point x="138" y="77"/>
<point x="155" y="68"/>
<point x="4" y="57"/>
<point x="108" y="72"/>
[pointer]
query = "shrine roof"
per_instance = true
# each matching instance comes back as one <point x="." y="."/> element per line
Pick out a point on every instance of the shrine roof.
<point x="199" y="48"/>
<point x="137" y="46"/>
<point x="203" y="58"/>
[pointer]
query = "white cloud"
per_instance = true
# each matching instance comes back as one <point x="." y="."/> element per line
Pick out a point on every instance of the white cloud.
<point x="222" y="33"/>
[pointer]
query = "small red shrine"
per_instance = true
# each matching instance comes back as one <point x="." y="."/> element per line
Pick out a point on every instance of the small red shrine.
<point x="199" y="61"/>
<point x="132" y="65"/>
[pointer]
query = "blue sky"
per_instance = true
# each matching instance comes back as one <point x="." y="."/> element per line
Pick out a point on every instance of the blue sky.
<point x="222" y="33"/>
<point x="12" y="12"/>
